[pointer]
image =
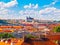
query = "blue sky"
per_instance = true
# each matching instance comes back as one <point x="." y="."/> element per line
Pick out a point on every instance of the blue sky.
<point x="39" y="9"/>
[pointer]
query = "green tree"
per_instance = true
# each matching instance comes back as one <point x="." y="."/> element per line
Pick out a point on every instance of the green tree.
<point x="57" y="29"/>
<point x="6" y="35"/>
<point x="1" y="36"/>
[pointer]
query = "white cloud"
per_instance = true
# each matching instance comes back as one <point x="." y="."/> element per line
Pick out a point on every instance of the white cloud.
<point x="36" y="6"/>
<point x="47" y="10"/>
<point x="51" y="4"/>
<point x="50" y="13"/>
<point x="54" y="2"/>
<point x="31" y="6"/>
<point x="9" y="4"/>
<point x="47" y="13"/>
<point x="28" y="12"/>
<point x="6" y="13"/>
<point x="50" y="10"/>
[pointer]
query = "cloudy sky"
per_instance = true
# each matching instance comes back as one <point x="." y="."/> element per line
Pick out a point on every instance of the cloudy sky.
<point x="39" y="9"/>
